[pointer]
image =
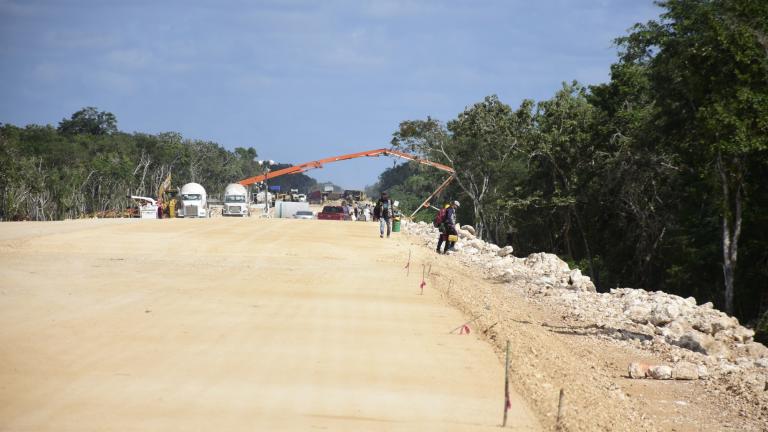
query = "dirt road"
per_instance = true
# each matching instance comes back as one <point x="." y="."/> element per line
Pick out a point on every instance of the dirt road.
<point x="232" y="324"/>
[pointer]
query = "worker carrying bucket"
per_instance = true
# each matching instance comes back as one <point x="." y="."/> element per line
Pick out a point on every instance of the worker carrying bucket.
<point x="446" y="221"/>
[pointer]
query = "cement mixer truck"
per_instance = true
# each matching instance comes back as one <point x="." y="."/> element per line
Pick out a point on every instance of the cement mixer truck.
<point x="193" y="201"/>
<point x="236" y="201"/>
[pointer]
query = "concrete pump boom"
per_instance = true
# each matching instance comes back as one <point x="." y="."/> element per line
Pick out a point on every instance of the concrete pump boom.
<point x="319" y="164"/>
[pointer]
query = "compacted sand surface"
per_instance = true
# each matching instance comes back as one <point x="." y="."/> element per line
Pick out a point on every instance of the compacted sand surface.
<point x="232" y="324"/>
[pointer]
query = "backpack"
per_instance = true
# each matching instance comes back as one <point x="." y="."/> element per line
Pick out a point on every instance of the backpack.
<point x="440" y="218"/>
<point x="386" y="209"/>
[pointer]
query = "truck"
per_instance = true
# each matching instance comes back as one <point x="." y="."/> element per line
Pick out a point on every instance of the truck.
<point x="354" y="195"/>
<point x="236" y="202"/>
<point x="333" y="213"/>
<point x="194" y="201"/>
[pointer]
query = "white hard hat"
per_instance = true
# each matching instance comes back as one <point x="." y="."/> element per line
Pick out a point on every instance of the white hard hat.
<point x="457" y="204"/>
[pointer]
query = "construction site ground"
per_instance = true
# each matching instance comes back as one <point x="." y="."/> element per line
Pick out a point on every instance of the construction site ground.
<point x="256" y="324"/>
<point x="232" y="324"/>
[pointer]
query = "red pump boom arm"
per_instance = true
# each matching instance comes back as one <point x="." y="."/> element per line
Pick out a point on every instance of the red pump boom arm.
<point x="319" y="164"/>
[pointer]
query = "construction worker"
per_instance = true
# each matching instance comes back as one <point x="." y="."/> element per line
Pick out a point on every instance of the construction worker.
<point x="439" y="219"/>
<point x="450" y="226"/>
<point x="384" y="212"/>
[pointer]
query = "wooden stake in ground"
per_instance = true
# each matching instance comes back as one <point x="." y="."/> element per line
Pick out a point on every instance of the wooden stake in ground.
<point x="507" y="402"/>
<point x="423" y="282"/>
<point x="560" y="410"/>
<point x="408" y="264"/>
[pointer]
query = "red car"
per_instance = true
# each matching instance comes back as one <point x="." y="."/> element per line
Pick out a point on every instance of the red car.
<point x="333" y="213"/>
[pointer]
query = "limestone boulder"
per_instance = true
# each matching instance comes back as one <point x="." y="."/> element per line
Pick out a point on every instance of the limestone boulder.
<point x="753" y="350"/>
<point x="685" y="371"/>
<point x="743" y="334"/>
<point x="702" y="343"/>
<point x="546" y="263"/>
<point x="663" y="313"/>
<point x="638" y="313"/>
<point x="638" y="370"/>
<point x="579" y="282"/>
<point x="660" y="372"/>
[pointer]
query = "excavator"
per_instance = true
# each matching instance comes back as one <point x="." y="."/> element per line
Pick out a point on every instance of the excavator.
<point x="370" y="153"/>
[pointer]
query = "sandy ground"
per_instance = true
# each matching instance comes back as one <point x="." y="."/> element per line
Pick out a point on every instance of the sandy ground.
<point x="233" y="324"/>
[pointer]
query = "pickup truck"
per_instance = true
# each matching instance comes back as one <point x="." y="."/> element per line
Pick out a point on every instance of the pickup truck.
<point x="332" y="213"/>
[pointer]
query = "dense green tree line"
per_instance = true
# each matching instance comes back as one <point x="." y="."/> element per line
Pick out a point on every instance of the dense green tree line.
<point x="656" y="179"/>
<point x="87" y="167"/>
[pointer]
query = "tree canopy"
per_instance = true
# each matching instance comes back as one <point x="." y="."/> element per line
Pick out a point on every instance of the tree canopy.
<point x="87" y="167"/>
<point x="651" y="180"/>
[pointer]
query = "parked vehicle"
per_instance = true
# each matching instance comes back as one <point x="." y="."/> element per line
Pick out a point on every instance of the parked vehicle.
<point x="333" y="213"/>
<point x="194" y="201"/>
<point x="236" y="202"/>
<point x="287" y="209"/>
<point x="147" y="207"/>
<point x="304" y="214"/>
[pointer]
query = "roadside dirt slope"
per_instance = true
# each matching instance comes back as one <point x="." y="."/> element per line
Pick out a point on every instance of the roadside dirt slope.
<point x="554" y="349"/>
<point x="232" y="324"/>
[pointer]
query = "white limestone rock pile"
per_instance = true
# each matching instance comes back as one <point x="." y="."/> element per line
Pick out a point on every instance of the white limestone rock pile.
<point x="637" y="316"/>
<point x="680" y="371"/>
<point x="658" y="318"/>
<point x="499" y="263"/>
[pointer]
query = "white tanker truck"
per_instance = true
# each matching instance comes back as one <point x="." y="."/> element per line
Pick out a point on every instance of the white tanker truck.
<point x="236" y="202"/>
<point x="194" y="201"/>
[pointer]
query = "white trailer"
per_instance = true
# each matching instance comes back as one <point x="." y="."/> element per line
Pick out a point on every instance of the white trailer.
<point x="147" y="207"/>
<point x="194" y="201"/>
<point x="286" y="209"/>
<point x="236" y="202"/>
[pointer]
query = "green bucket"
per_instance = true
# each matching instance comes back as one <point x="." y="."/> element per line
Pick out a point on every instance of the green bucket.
<point x="396" y="225"/>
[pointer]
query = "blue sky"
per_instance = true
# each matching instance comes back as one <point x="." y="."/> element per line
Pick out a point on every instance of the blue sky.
<point x="298" y="80"/>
